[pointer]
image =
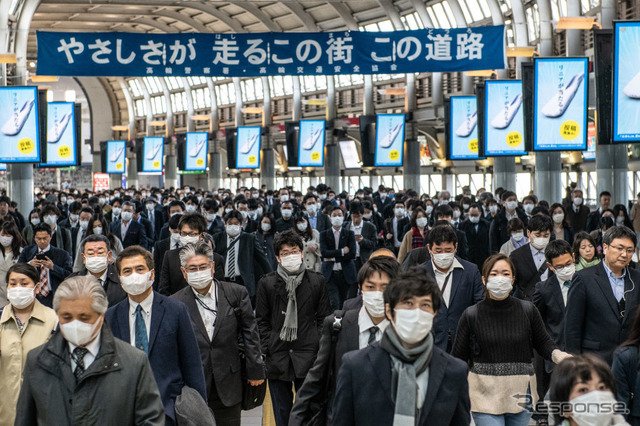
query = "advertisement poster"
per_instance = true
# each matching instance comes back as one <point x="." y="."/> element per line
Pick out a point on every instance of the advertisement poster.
<point x="626" y="82"/>
<point x="116" y="151"/>
<point x="504" y="118"/>
<point x="560" y="104"/>
<point x="248" y="148"/>
<point x="153" y="151"/>
<point x="196" y="152"/>
<point x="19" y="131"/>
<point x="61" y="134"/>
<point x="100" y="182"/>
<point x="463" y="128"/>
<point x="311" y="143"/>
<point x="389" y="140"/>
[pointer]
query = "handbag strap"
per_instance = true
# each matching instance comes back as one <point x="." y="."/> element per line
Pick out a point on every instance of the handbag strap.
<point x="335" y="331"/>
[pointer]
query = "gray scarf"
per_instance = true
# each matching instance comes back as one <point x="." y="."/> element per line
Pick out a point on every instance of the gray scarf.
<point x="407" y="364"/>
<point x="289" y="331"/>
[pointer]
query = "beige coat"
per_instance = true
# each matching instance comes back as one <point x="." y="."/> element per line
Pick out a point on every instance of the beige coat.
<point x="312" y="258"/>
<point x="14" y="349"/>
<point x="6" y="261"/>
<point x="405" y="247"/>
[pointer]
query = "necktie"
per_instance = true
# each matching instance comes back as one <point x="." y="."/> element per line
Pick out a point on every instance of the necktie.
<point x="372" y="334"/>
<point x="141" y="331"/>
<point x="232" y="260"/>
<point x="78" y="357"/>
<point x="44" y="280"/>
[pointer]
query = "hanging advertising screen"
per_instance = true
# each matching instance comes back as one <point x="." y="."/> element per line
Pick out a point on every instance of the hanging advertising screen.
<point x="248" y="151"/>
<point x="463" y="128"/>
<point x="311" y="143"/>
<point x="626" y="82"/>
<point x="61" y="134"/>
<point x="19" y="130"/>
<point x="153" y="151"/>
<point x="389" y="140"/>
<point x="504" y="118"/>
<point x="196" y="152"/>
<point x="560" y="104"/>
<point x="116" y="151"/>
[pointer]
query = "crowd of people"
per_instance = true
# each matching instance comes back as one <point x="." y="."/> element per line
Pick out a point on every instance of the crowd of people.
<point x="145" y="306"/>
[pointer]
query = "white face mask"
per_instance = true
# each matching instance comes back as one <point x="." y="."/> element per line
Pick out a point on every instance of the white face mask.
<point x="493" y="209"/>
<point x="412" y="325"/>
<point x="499" y="286"/>
<point x="97" y="230"/>
<point x="374" y="303"/>
<point x="517" y="236"/>
<point x="399" y="212"/>
<point x="429" y="209"/>
<point x="74" y="217"/>
<point x="84" y="224"/>
<point x="79" y="333"/>
<point x="466" y="206"/>
<point x="422" y="222"/>
<point x="566" y="274"/>
<point x="284" y="198"/>
<point x="211" y="217"/>
<point x="233" y="230"/>
<point x="136" y="284"/>
<point x="558" y="218"/>
<point x="540" y="243"/>
<point x="70" y="201"/>
<point x="266" y="227"/>
<point x="190" y="208"/>
<point x="227" y="211"/>
<point x="311" y="208"/>
<point x="287" y="213"/>
<point x="337" y="221"/>
<point x="21" y="297"/>
<point x="63" y="200"/>
<point x="102" y="200"/>
<point x="620" y="220"/>
<point x="577" y="201"/>
<point x="50" y="219"/>
<point x="528" y="208"/>
<point x="474" y="219"/>
<point x="367" y="216"/>
<point x="292" y="262"/>
<point x="35" y="221"/>
<point x="150" y="207"/>
<point x="443" y="260"/>
<point x="6" y="240"/>
<point x="175" y="237"/>
<point x="188" y="239"/>
<point x="456" y="214"/>
<point x="199" y="279"/>
<point x="253" y="214"/>
<point x="96" y="264"/>
<point x="511" y="205"/>
<point x="259" y="211"/>
<point x="585" y="412"/>
<point x="302" y="226"/>
<point x="117" y="211"/>
<point x="127" y="216"/>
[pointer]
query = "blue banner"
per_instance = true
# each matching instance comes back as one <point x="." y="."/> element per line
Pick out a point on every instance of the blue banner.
<point x="626" y="82"/>
<point x="116" y="151"/>
<point x="196" y="152"/>
<point x="311" y="143"/>
<point x="463" y="128"/>
<point x="262" y="54"/>
<point x="504" y="118"/>
<point x="153" y="151"/>
<point x="248" y="148"/>
<point x="389" y="140"/>
<point x="19" y="132"/>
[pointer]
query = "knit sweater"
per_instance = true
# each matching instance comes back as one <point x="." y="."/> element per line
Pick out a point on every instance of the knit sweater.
<point x="499" y="352"/>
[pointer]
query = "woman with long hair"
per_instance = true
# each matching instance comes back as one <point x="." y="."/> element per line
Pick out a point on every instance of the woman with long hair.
<point x="584" y="251"/>
<point x="416" y="236"/>
<point x="264" y="236"/>
<point x="561" y="229"/>
<point x="311" y="243"/>
<point x="10" y="247"/>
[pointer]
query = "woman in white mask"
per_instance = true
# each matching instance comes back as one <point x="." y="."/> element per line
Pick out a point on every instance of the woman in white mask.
<point x="561" y="229"/>
<point x="264" y="237"/>
<point x="415" y="237"/>
<point x="583" y="393"/>
<point x="517" y="239"/>
<point x="10" y="249"/>
<point x="34" y="219"/>
<point x="311" y="242"/>
<point x="25" y="324"/>
<point x="496" y="337"/>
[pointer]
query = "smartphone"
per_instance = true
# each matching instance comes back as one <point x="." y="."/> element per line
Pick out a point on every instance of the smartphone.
<point x="41" y="256"/>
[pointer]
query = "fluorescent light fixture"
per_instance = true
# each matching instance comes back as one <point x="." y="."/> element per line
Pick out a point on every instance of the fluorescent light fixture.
<point x="252" y="110"/>
<point x="521" y="52"/>
<point x="158" y="123"/>
<point x="43" y="78"/>
<point x="120" y="128"/>
<point x="8" y="58"/>
<point x="577" y="23"/>
<point x="201" y="117"/>
<point x="314" y="102"/>
<point x="481" y="73"/>
<point x="70" y="95"/>
<point x="393" y="91"/>
<point x="49" y="95"/>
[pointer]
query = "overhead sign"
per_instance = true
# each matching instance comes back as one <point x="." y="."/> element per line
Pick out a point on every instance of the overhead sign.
<point x="311" y="143"/>
<point x="196" y="152"/>
<point x="248" y="148"/>
<point x="19" y="132"/>
<point x="560" y="104"/>
<point x="389" y="140"/>
<point x="463" y="128"/>
<point x="262" y="54"/>
<point x="100" y="182"/>
<point x="626" y="82"/>
<point x="116" y="151"/>
<point x="61" y="134"/>
<point x="504" y="118"/>
<point x="153" y="151"/>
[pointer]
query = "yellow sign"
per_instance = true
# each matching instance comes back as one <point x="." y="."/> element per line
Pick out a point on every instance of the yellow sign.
<point x="315" y="156"/>
<point x="26" y="146"/>
<point x="64" y="151"/>
<point x="119" y="166"/>
<point x="514" y="139"/>
<point x="252" y="159"/>
<point x="569" y="130"/>
<point x="156" y="164"/>
<point x="394" y="154"/>
<point x="473" y="145"/>
<point x="200" y="162"/>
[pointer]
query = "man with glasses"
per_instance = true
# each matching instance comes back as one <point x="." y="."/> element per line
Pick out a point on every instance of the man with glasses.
<point x="603" y="299"/>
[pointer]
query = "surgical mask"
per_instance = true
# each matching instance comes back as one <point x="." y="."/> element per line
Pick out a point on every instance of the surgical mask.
<point x="517" y="236"/>
<point x="102" y="200"/>
<point x="620" y="220"/>
<point x="374" y="303"/>
<point x="211" y="217"/>
<point x="302" y="226"/>
<point x="367" y="216"/>
<point x="63" y="200"/>
<point x="253" y="214"/>
<point x="429" y="209"/>
<point x="474" y="219"/>
<point x="227" y="211"/>
<point x="74" y="217"/>
<point x="587" y="414"/>
<point x="577" y="201"/>
<point x="323" y="197"/>
<point x="35" y="221"/>
<point x="6" y="240"/>
<point x="188" y="239"/>
<point x="383" y="195"/>
<point x="79" y="333"/>
<point x="199" y="279"/>
<point x="284" y="198"/>
<point x="558" y="218"/>
<point x="422" y="222"/>
<point x="566" y="274"/>
<point x="466" y="206"/>
<point x="511" y="205"/>
<point x="199" y="197"/>
<point x="150" y="207"/>
<point x="292" y="262"/>
<point x="259" y="211"/>
<point x="493" y="209"/>
<point x="287" y="213"/>
<point x="499" y="286"/>
<point x="96" y="264"/>
<point x="84" y="224"/>
<point x="21" y="297"/>
<point x="360" y="196"/>
<point x="266" y="227"/>
<point x="70" y="201"/>
<point x="190" y="208"/>
<point x="97" y="230"/>
<point x="311" y="208"/>
<point x="117" y="211"/>
<point x="50" y="220"/>
<point x="337" y="221"/>
<point x="399" y="212"/>
<point x="528" y="208"/>
<point x="175" y="237"/>
<point x="255" y="195"/>
<point x="136" y="284"/>
<point x="233" y="230"/>
<point x="126" y="216"/>
<point x="540" y="243"/>
<point x="443" y="260"/>
<point x="456" y="214"/>
<point x="412" y="325"/>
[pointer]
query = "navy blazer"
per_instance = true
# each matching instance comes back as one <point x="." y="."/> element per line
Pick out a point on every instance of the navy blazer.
<point x="330" y="251"/>
<point x="173" y="349"/>
<point x="62" y="268"/>
<point x="446" y="403"/>
<point x="136" y="234"/>
<point x="592" y="320"/>
<point x="548" y="299"/>
<point x="466" y="290"/>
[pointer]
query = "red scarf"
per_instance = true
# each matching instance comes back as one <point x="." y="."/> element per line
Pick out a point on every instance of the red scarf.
<point x="417" y="238"/>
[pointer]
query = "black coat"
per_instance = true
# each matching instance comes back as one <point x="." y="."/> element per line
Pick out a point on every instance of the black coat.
<point x="291" y="360"/>
<point x="62" y="268"/>
<point x="550" y="303"/>
<point x="266" y="242"/>
<point x="578" y="221"/>
<point x="498" y="234"/>
<point x="171" y="278"/>
<point x="284" y="225"/>
<point x="156" y="223"/>
<point x="111" y="286"/>
<point x="593" y="220"/>
<point x="216" y="226"/>
<point x="323" y="222"/>
<point x="527" y="275"/>
<point x="159" y="249"/>
<point x="149" y="230"/>
<point x="330" y="251"/>
<point x="477" y="240"/>
<point x="625" y="369"/>
<point x="61" y="238"/>
<point x="136" y="234"/>
<point x="369" y="242"/>
<point x="388" y="229"/>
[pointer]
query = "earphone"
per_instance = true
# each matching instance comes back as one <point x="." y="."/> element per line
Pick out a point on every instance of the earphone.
<point x="633" y="287"/>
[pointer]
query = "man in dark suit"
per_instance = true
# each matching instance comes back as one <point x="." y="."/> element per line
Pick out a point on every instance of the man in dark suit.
<point x="459" y="282"/>
<point x="498" y="233"/>
<point x="444" y="213"/>
<point x="54" y="264"/>
<point x="175" y="207"/>
<point x="245" y="262"/>
<point x="286" y="221"/>
<point x="577" y="212"/>
<point x="338" y="248"/>
<point x="435" y="387"/>
<point x="381" y="199"/>
<point x="79" y="232"/>
<point x="220" y="313"/>
<point x="159" y="326"/>
<point x="154" y="214"/>
<point x="529" y="260"/>
<point x="318" y="220"/>
<point x="393" y="227"/>
<point x="60" y="237"/>
<point x="96" y="257"/>
<point x="342" y="332"/>
<point x="215" y="223"/>
<point x="248" y="225"/>
<point x="113" y="215"/>
<point x="365" y="235"/>
<point x="140" y="217"/>
<point x="603" y="299"/>
<point x="74" y="216"/>
<point x="129" y="231"/>
<point x="593" y="220"/>
<point x="161" y="247"/>
<point x="191" y="229"/>
<point x="476" y="229"/>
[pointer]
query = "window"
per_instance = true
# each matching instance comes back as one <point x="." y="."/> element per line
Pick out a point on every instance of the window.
<point x="412" y="21"/>
<point x="141" y="108"/>
<point x="134" y="87"/>
<point x="226" y="94"/>
<point x="158" y="105"/>
<point x="196" y="81"/>
<point x="474" y="8"/>
<point x="200" y="97"/>
<point x="153" y="84"/>
<point x="179" y="101"/>
<point x="442" y="16"/>
<point x="173" y="83"/>
<point x="252" y="89"/>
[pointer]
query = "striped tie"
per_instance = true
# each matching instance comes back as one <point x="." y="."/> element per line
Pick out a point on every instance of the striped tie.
<point x="44" y="280"/>
<point x="232" y="260"/>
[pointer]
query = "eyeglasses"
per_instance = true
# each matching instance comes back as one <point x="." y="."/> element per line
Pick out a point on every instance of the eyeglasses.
<point x="199" y="268"/>
<point x="192" y="234"/>
<point x="289" y="253"/>
<point x="628" y="250"/>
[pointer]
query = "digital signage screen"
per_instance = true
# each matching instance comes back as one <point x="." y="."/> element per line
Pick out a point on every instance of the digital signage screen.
<point x="196" y="152"/>
<point x="560" y="104"/>
<point x="311" y="143"/>
<point x="116" y="151"/>
<point x="19" y="125"/>
<point x="503" y="118"/>
<point x="153" y="152"/>
<point x="626" y="82"/>
<point x="463" y="128"/>
<point x="61" y="134"/>
<point x="248" y="148"/>
<point x="389" y="140"/>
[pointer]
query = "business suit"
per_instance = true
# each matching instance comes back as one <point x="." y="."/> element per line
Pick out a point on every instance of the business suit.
<point x="466" y="290"/>
<point x="477" y="240"/>
<point x="148" y="229"/>
<point x="593" y="220"/>
<point x="368" y="244"/>
<point x="527" y="275"/>
<point x="283" y="225"/>
<point x="171" y="278"/>
<point x="61" y="238"/>
<point x="111" y="286"/>
<point x="363" y="391"/>
<point x="593" y="322"/>
<point x="156" y="219"/>
<point x="388" y="229"/>
<point x="577" y="220"/>
<point x="338" y="282"/>
<point x="216" y="226"/>
<point x="75" y="243"/>
<point x="172" y="347"/>
<point x="250" y="226"/>
<point x="159" y="249"/>
<point x="498" y="234"/>
<point x="62" y="268"/>
<point x="463" y="246"/>
<point x="219" y="354"/>
<point x="322" y="222"/>
<point x="136" y="234"/>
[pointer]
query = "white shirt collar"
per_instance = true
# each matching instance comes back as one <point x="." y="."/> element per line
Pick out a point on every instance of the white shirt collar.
<point x="46" y="248"/>
<point x="365" y="322"/>
<point x="146" y="304"/>
<point x="453" y="266"/>
<point x="93" y="347"/>
<point x="209" y="295"/>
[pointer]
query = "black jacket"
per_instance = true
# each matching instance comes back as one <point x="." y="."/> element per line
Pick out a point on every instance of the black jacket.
<point x="136" y="234"/>
<point x="284" y="225"/>
<point x="593" y="220"/>
<point x="527" y="275"/>
<point x="266" y="242"/>
<point x="388" y="229"/>
<point x="550" y="303"/>
<point x="498" y="234"/>
<point x="291" y="360"/>
<point x="111" y="286"/>
<point x="477" y="241"/>
<point x="625" y="369"/>
<point x="159" y="249"/>
<point x="369" y="242"/>
<point x="578" y="221"/>
<point x="171" y="278"/>
<point x="216" y="226"/>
